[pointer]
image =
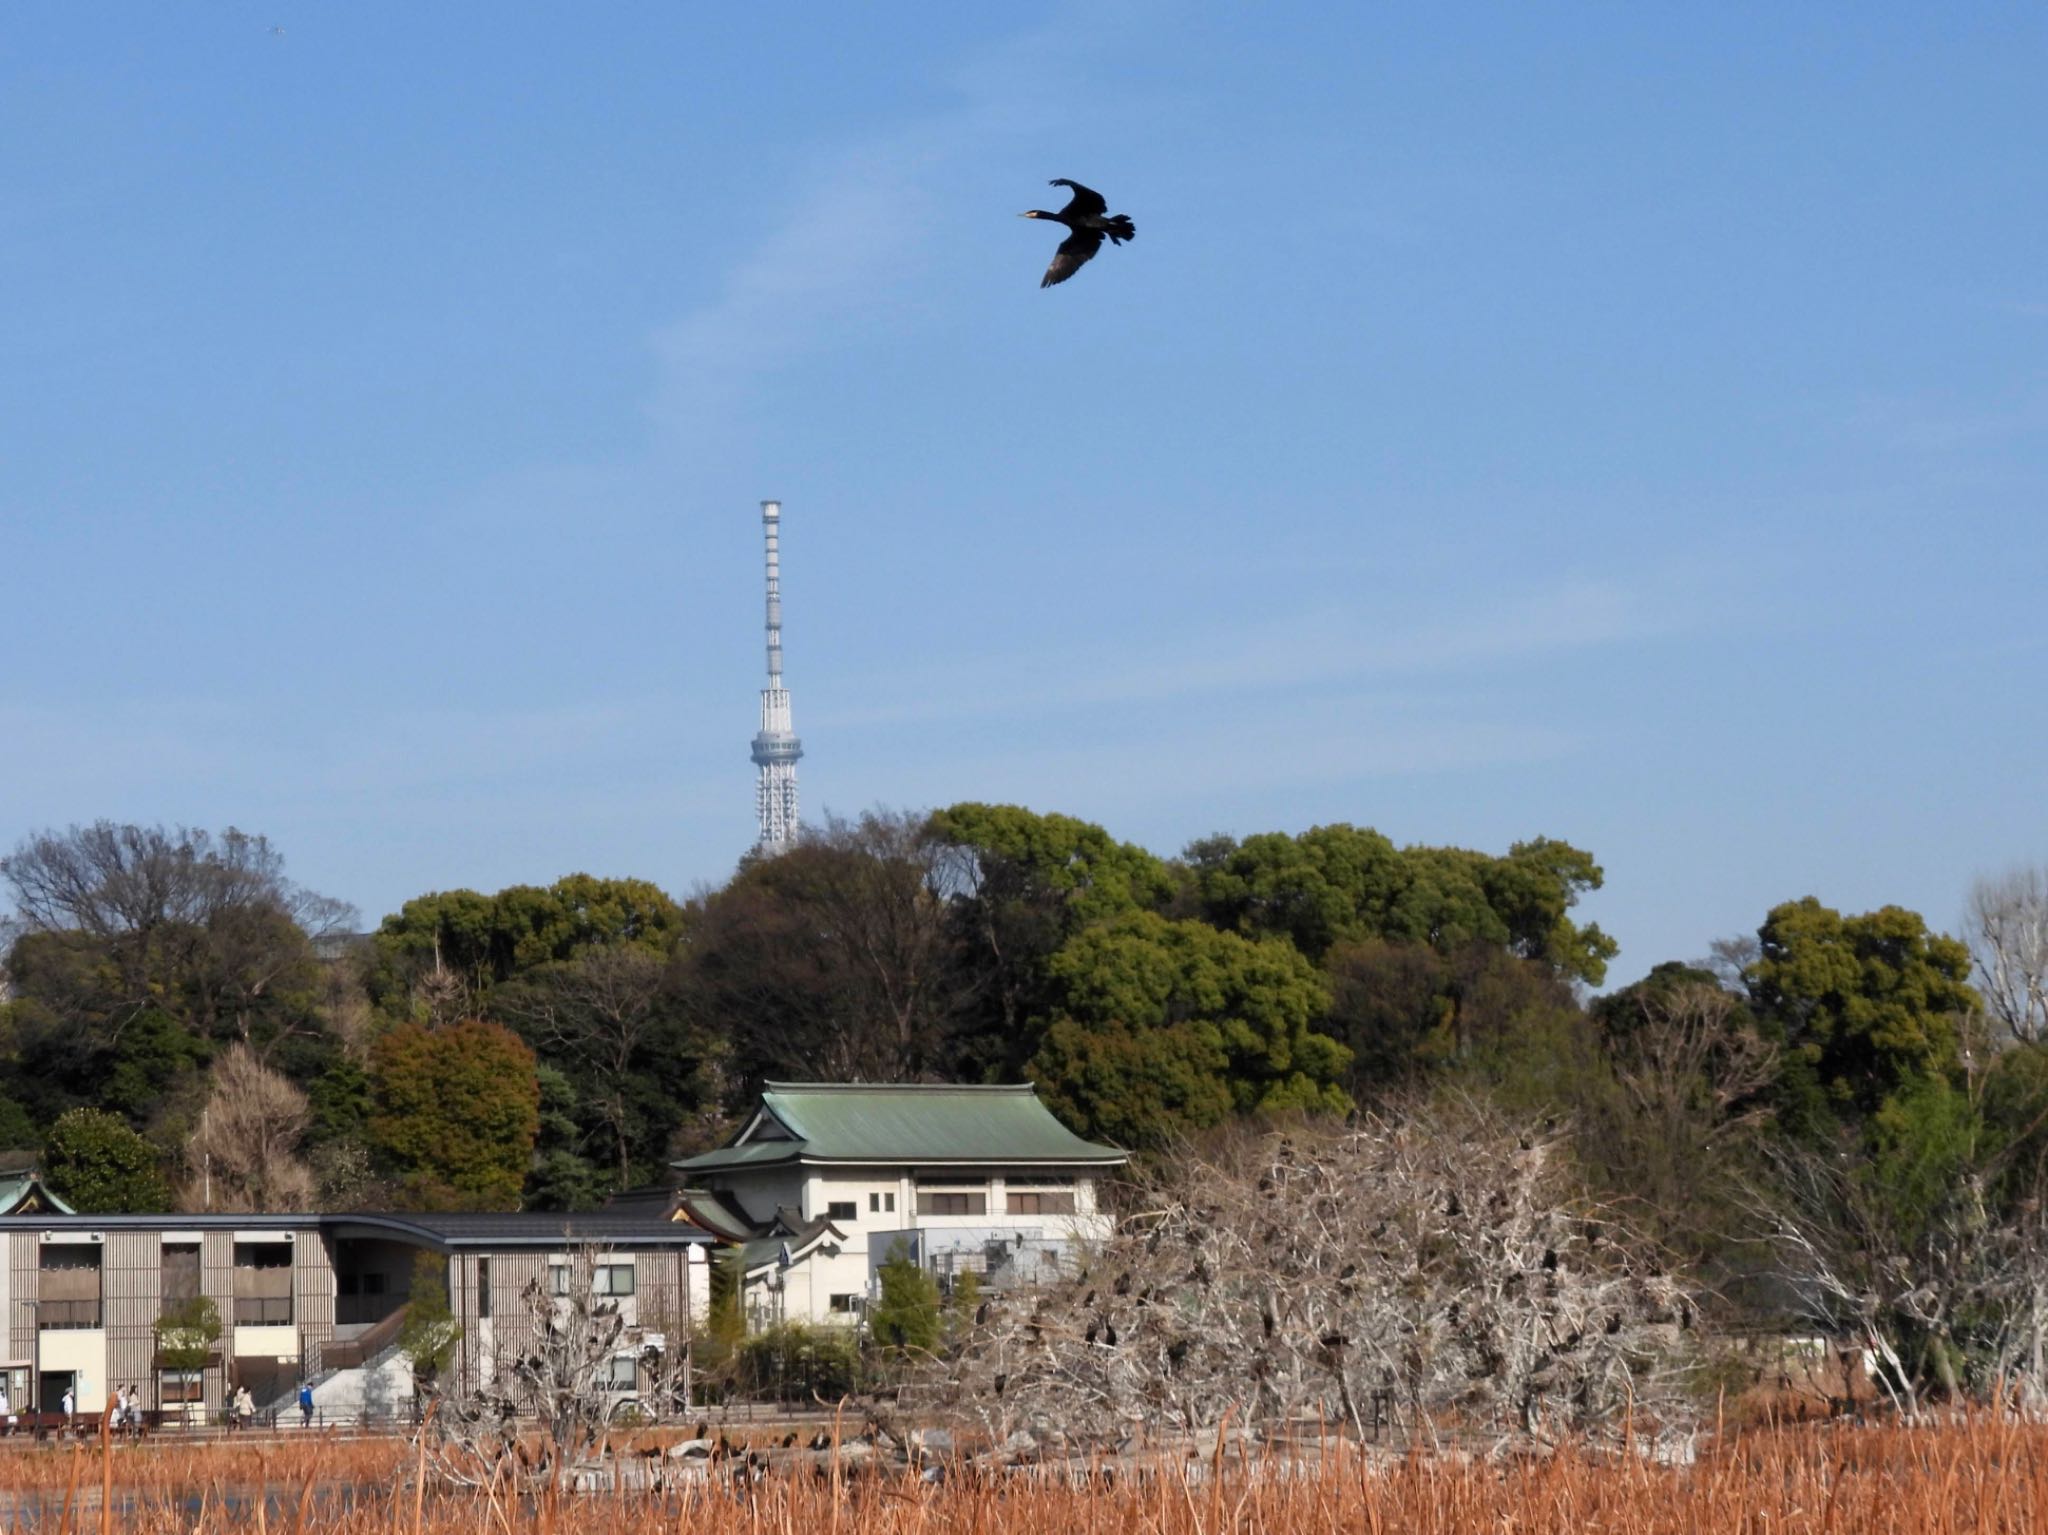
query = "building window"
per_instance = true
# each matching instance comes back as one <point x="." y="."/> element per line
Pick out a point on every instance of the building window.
<point x="948" y="1203"/>
<point x="845" y="1304"/>
<point x="175" y="1388"/>
<point x="263" y="1284"/>
<point x="1041" y="1201"/>
<point x="841" y="1210"/>
<point x="612" y="1279"/>
<point x="874" y="1203"/>
<point x="625" y="1374"/>
<point x="69" y="1295"/>
<point x="483" y="1288"/>
<point x="180" y="1271"/>
<point x="889" y="1203"/>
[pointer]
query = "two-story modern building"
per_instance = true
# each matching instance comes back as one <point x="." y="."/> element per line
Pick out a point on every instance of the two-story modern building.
<point x="827" y="1179"/>
<point x="314" y="1298"/>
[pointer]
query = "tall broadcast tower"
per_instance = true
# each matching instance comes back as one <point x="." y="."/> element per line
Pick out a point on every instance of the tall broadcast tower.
<point x="776" y="748"/>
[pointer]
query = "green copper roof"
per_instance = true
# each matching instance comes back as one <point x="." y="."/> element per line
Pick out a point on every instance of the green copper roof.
<point x="25" y="1193"/>
<point x="859" y="1122"/>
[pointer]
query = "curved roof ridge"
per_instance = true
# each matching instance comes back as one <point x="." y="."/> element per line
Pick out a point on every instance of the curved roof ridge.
<point x="900" y="1087"/>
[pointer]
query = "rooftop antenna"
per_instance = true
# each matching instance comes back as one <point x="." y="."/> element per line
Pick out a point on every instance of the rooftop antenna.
<point x="776" y="748"/>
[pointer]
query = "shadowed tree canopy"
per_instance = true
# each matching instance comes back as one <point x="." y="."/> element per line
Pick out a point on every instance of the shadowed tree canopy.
<point x="142" y="951"/>
<point x="615" y="1026"/>
<point x="1409" y="1012"/>
<point x="120" y="921"/>
<point x="1160" y="1025"/>
<point x="834" y="959"/>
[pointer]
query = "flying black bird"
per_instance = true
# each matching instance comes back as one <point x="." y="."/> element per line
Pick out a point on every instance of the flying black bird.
<point x="1088" y="216"/>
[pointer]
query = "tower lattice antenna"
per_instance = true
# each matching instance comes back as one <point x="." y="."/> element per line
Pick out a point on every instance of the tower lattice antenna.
<point x="776" y="748"/>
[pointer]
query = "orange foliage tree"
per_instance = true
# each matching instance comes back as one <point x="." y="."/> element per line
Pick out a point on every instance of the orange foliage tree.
<point x="457" y="1110"/>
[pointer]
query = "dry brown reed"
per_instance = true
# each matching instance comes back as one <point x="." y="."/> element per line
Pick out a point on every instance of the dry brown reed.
<point x="1980" y="1475"/>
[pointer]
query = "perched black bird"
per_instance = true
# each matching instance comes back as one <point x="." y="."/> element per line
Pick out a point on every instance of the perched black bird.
<point x="1088" y="216"/>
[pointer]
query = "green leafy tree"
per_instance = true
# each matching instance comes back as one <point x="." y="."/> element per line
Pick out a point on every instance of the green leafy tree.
<point x="430" y="1332"/>
<point x="1020" y="884"/>
<point x="1346" y="884"/>
<point x="457" y="1110"/>
<point x="476" y="942"/>
<point x="1868" y="1006"/>
<point x="101" y="1167"/>
<point x="906" y="1315"/>
<point x="1161" y="1026"/>
<point x="187" y="1334"/>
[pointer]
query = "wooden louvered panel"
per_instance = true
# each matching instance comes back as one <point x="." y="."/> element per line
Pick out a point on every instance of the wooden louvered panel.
<point x="131" y="1290"/>
<point x="22" y="1277"/>
<point x="313" y="1297"/>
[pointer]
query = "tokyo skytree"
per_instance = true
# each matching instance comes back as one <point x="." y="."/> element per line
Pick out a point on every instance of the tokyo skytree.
<point x="776" y="747"/>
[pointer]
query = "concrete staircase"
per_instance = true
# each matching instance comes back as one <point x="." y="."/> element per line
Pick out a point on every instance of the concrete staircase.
<point x="366" y="1377"/>
<point x="380" y="1388"/>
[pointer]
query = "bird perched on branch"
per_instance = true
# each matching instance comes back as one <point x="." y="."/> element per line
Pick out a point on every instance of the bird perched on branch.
<point x="1087" y="215"/>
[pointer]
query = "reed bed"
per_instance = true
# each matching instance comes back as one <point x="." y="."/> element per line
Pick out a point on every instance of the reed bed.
<point x="1980" y="1475"/>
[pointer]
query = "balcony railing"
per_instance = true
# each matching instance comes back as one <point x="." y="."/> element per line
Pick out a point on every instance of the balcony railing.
<point x="58" y="1315"/>
<point x="263" y="1311"/>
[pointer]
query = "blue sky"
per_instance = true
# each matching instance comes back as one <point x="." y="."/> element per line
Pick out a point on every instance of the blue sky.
<point x="1620" y="423"/>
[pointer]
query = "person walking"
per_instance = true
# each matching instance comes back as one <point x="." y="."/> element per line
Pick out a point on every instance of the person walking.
<point x="245" y="1407"/>
<point x="68" y="1404"/>
<point x="305" y="1404"/>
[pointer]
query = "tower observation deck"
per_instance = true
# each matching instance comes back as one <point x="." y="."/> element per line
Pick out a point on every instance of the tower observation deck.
<point x="776" y="748"/>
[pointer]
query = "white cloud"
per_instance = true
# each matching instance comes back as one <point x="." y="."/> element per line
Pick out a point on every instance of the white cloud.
<point x="858" y="231"/>
<point x="1377" y="639"/>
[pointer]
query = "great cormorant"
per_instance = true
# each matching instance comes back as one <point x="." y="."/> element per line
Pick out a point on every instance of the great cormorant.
<point x="1088" y="216"/>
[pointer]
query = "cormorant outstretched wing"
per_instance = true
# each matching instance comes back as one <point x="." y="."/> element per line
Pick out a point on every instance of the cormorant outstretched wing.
<point x="1075" y="251"/>
<point x="1085" y="203"/>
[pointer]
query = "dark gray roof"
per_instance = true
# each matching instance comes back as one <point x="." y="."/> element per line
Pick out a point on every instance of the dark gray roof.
<point x="463" y="1231"/>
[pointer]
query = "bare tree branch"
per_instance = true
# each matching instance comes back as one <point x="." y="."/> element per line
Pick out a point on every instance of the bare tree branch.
<point x="1437" y="1268"/>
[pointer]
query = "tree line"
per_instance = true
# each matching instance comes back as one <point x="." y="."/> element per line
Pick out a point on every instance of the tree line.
<point x="1806" y="1118"/>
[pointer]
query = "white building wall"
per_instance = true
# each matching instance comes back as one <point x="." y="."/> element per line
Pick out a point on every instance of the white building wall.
<point x="82" y="1350"/>
<point x="884" y="1204"/>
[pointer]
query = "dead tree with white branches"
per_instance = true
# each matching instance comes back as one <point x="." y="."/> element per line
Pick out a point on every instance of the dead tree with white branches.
<point x="2009" y="940"/>
<point x="553" y="1377"/>
<point x="1439" y="1268"/>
